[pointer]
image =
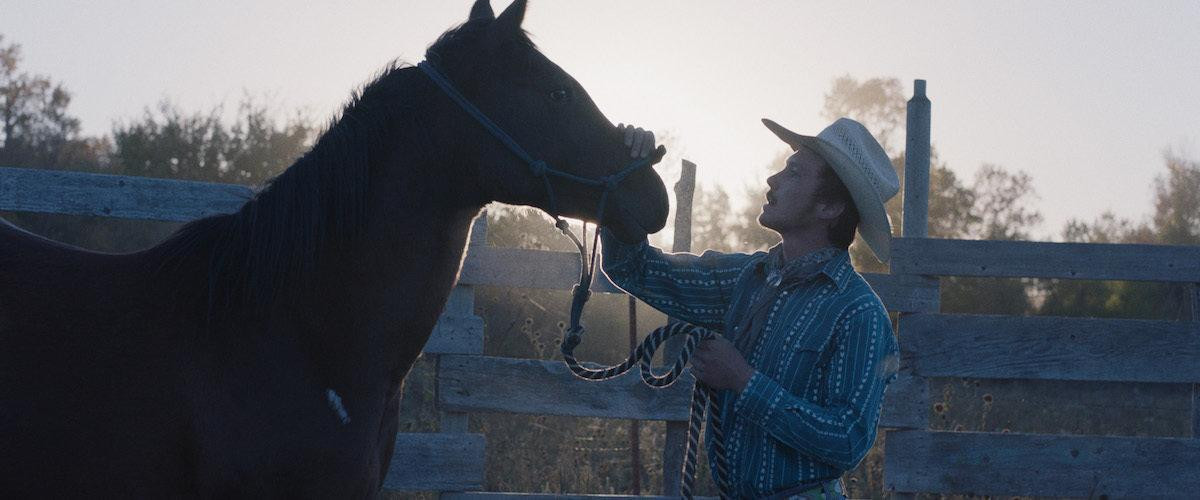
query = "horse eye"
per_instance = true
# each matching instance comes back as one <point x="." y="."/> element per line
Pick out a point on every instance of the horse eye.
<point x="560" y="95"/>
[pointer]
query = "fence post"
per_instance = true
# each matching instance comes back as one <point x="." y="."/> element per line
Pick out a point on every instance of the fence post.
<point x="462" y="302"/>
<point x="676" y="439"/>
<point x="915" y="222"/>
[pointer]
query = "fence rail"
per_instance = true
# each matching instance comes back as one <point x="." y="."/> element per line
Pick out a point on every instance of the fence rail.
<point x="1052" y="348"/>
<point x="125" y="197"/>
<point x="1036" y="259"/>
<point x="985" y="463"/>
<point x="437" y="462"/>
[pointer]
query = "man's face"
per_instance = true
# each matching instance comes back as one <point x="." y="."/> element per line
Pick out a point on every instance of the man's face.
<point x="791" y="195"/>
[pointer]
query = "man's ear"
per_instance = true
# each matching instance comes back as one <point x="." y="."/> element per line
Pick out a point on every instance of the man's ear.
<point x="830" y="211"/>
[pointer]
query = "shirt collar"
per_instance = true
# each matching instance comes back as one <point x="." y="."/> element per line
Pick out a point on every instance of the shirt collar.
<point x="834" y="264"/>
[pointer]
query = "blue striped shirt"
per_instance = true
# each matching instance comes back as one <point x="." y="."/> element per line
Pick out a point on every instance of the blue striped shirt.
<point x="822" y="360"/>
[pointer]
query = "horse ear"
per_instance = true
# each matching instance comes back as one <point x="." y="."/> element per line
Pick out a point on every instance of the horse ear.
<point x="509" y="21"/>
<point x="482" y="10"/>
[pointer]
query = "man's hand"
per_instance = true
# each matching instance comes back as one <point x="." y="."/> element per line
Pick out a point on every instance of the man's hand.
<point x="719" y="365"/>
<point x="640" y="142"/>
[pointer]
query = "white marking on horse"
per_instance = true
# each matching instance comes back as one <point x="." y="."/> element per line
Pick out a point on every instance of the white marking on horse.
<point x="335" y="404"/>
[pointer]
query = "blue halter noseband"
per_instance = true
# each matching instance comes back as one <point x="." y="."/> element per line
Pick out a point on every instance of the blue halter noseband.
<point x="542" y="170"/>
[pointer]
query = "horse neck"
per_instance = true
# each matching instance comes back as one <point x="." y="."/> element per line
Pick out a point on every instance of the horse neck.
<point x="351" y="252"/>
<point x="376" y="297"/>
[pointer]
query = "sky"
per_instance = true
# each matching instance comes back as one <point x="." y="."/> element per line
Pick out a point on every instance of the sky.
<point x="1085" y="97"/>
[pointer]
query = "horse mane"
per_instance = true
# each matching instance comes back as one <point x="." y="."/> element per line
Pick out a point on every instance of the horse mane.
<point x="288" y="225"/>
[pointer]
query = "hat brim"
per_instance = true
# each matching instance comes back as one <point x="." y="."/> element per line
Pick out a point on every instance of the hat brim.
<point x="874" y="225"/>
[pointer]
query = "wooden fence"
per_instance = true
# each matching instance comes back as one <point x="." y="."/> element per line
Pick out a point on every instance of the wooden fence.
<point x="933" y="345"/>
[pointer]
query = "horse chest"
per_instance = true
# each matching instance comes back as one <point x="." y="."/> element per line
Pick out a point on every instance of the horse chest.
<point x="275" y="429"/>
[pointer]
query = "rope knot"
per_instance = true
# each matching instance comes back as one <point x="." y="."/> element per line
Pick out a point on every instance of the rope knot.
<point x="610" y="182"/>
<point x="539" y="168"/>
<point x="571" y="340"/>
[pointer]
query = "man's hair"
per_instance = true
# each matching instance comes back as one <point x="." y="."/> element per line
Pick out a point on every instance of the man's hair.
<point x="832" y="190"/>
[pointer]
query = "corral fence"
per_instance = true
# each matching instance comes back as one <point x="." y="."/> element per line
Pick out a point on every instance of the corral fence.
<point x="933" y="345"/>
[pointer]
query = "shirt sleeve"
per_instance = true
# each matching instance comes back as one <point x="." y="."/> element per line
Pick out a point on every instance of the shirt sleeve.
<point x="695" y="289"/>
<point x="842" y="431"/>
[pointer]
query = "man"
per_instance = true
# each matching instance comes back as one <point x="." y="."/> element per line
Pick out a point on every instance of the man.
<point x="807" y="347"/>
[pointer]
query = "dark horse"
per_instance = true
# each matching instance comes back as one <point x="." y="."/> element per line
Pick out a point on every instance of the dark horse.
<point x="209" y="365"/>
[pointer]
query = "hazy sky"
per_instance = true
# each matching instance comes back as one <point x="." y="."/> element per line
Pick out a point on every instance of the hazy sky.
<point x="1083" y="96"/>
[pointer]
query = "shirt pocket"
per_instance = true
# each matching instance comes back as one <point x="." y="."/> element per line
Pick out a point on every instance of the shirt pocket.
<point x="804" y="360"/>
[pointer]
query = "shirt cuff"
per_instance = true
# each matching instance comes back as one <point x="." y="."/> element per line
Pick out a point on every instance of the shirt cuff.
<point x="755" y="400"/>
<point x="617" y="254"/>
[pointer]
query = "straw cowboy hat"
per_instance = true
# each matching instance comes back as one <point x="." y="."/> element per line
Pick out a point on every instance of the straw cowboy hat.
<point x="863" y="167"/>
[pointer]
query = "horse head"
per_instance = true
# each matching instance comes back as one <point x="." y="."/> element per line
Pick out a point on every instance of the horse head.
<point x="494" y="65"/>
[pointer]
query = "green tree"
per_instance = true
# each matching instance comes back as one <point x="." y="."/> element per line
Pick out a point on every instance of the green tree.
<point x="999" y="212"/>
<point x="38" y="132"/>
<point x="1177" y="202"/>
<point x="1176" y="221"/>
<point x="878" y="103"/>
<point x="1001" y="202"/>
<point x="168" y="142"/>
<point x="712" y="220"/>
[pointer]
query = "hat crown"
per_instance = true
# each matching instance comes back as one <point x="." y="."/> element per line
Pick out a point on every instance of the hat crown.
<point x="852" y="139"/>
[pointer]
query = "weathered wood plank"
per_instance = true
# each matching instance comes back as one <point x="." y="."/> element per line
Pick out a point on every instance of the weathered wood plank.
<point x="937" y="345"/>
<point x="436" y="462"/>
<point x="906" y="293"/>
<point x="906" y="403"/>
<point x="480" y="495"/>
<point x="465" y="338"/>
<point x="531" y="386"/>
<point x="456" y="335"/>
<point x="1090" y="261"/>
<point x="523" y="268"/>
<point x="1041" y="465"/>
<point x="79" y="193"/>
<point x="458" y="330"/>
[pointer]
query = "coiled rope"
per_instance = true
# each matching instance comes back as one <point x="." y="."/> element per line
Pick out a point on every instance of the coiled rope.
<point x="704" y="398"/>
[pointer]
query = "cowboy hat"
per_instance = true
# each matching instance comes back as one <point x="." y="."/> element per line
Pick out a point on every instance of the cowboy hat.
<point x="862" y="165"/>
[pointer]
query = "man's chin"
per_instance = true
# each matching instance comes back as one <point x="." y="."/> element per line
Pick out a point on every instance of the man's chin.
<point x="765" y="221"/>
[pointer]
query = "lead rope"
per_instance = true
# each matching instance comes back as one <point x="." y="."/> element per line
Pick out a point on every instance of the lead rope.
<point x="704" y="398"/>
